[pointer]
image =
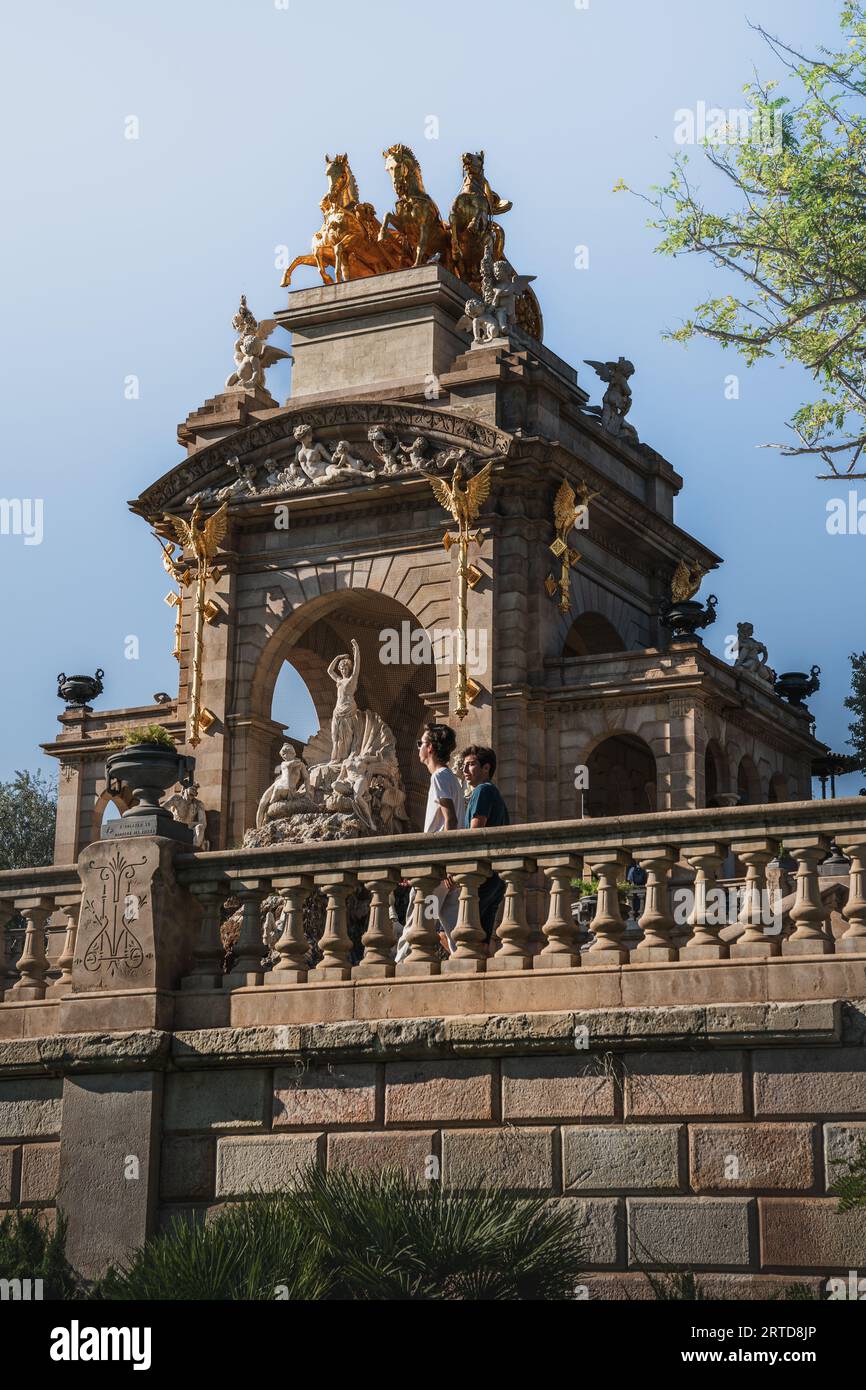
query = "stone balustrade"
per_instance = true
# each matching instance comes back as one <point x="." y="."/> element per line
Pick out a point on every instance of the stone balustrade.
<point x="538" y="928"/>
<point x="47" y="901"/>
<point x="541" y="863"/>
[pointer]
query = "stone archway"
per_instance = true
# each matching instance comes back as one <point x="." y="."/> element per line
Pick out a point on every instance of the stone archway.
<point x="779" y="789"/>
<point x="621" y="777"/>
<point x="748" y="783"/>
<point x="105" y="799"/>
<point x="592" y="634"/>
<point x="398" y="670"/>
<point x="715" y="775"/>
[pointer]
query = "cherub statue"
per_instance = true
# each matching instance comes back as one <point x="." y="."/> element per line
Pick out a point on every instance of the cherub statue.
<point x="252" y="354"/>
<point x="386" y="449"/>
<point x="480" y="321"/>
<point x="501" y="288"/>
<point x="752" y="655"/>
<point x="616" y="402"/>
<point x="290" y="791"/>
<point x="186" y="808"/>
<point x="245" y="481"/>
<point x="345" y="672"/>
<point x="416" y="454"/>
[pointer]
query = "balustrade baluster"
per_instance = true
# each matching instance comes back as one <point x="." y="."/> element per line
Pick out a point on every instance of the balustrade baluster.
<point x="471" y="953"/>
<point x="33" y="965"/>
<point x="854" y="910"/>
<point x="514" y="931"/>
<point x="704" y="942"/>
<point x="293" y="948"/>
<point x="378" y="939"/>
<point x="250" y="949"/>
<point x="656" y="921"/>
<point x="560" y="930"/>
<point x="759" y="937"/>
<point x="607" y="924"/>
<point x="809" y="915"/>
<point x="336" y="944"/>
<point x="422" y="927"/>
<point x="208" y="953"/>
<point x="71" y="907"/>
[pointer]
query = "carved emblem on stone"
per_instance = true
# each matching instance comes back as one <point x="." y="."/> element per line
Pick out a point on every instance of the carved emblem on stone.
<point x="115" y="948"/>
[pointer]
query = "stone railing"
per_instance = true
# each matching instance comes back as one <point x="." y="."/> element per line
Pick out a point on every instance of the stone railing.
<point x="32" y="897"/>
<point x="552" y="855"/>
<point x="538" y="928"/>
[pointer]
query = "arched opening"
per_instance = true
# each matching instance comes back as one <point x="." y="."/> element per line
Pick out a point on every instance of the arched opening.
<point x="715" y="781"/>
<point x="621" y="778"/>
<point x="107" y="809"/>
<point x="779" y="789"/>
<point x="748" y="783"/>
<point x="292" y="687"/>
<point x="592" y="635"/>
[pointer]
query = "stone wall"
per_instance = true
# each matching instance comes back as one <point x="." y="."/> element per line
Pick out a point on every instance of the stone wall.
<point x="699" y="1138"/>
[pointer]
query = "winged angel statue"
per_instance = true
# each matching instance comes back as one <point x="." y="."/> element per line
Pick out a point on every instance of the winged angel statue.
<point x="253" y="354"/>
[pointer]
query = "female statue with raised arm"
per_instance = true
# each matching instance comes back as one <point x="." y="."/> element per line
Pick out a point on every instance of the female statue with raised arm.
<point x="345" y="672"/>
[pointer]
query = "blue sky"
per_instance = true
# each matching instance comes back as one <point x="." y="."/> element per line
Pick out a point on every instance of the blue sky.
<point x="126" y="258"/>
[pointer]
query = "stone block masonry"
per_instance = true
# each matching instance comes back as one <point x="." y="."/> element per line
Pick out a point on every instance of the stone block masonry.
<point x="694" y="1138"/>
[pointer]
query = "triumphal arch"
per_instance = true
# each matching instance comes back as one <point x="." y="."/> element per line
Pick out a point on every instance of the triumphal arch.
<point x="542" y="627"/>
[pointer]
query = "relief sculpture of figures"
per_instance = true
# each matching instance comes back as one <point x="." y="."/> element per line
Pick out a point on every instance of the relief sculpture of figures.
<point x="253" y="355"/>
<point x="322" y="467"/>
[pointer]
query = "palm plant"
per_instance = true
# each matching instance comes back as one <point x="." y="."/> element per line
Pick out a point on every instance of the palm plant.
<point x="352" y="1236"/>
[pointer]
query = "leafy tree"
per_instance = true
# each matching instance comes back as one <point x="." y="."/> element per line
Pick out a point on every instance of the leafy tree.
<point x="856" y="702"/>
<point x="29" y="1249"/>
<point x="28" y="805"/>
<point x="795" y="236"/>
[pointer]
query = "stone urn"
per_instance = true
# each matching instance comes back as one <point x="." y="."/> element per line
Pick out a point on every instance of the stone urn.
<point x="146" y="771"/>
<point x="794" y="686"/>
<point x="683" y="619"/>
<point x="77" y="691"/>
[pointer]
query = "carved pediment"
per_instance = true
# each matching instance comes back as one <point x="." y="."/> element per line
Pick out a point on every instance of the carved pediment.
<point x="361" y="442"/>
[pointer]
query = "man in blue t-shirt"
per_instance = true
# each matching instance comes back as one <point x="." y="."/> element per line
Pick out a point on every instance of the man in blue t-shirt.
<point x="486" y="807"/>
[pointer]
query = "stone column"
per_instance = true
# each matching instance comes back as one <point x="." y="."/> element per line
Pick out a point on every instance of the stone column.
<point x="656" y="921"/>
<point x="808" y="914"/>
<point x="33" y="965"/>
<point x="293" y="947"/>
<point x="514" y="931"/>
<point x="250" y="949"/>
<point x="378" y="939"/>
<point x="854" y="911"/>
<point x="336" y="944"/>
<point x="704" y="943"/>
<point x="755" y="940"/>
<point x="208" y="953"/>
<point x="471" y="954"/>
<point x="607" y="924"/>
<point x="561" y="931"/>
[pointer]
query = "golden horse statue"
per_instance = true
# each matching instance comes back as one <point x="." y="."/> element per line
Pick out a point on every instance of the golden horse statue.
<point x="348" y="240"/>
<point x="415" y="221"/>
<point x="471" y="221"/>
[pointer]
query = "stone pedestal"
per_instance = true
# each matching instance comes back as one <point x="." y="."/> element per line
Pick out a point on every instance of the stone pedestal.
<point x="137" y="926"/>
<point x="399" y="327"/>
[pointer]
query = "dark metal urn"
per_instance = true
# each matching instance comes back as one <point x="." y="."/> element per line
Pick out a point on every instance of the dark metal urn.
<point x="146" y="771"/>
<point x="78" y="690"/>
<point x="684" y="618"/>
<point x="794" y="686"/>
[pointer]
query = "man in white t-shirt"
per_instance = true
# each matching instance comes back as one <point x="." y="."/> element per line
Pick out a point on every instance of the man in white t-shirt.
<point x="445" y="810"/>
